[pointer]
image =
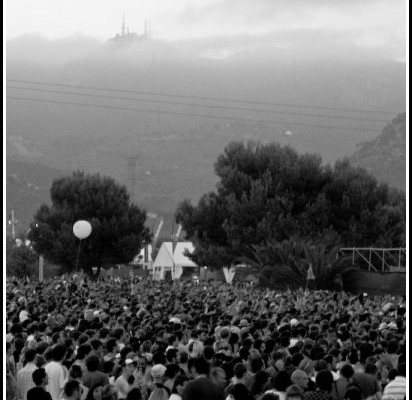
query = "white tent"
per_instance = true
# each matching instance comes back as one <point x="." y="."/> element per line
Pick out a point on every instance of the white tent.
<point x="181" y="260"/>
<point x="163" y="261"/>
<point x="144" y="257"/>
<point x="175" y="264"/>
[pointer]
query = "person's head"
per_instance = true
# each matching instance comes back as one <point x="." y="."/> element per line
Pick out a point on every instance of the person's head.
<point x="83" y="351"/>
<point x="72" y="390"/>
<point x="183" y="358"/>
<point x="324" y="380"/>
<point x="109" y="393"/>
<point x="95" y="392"/>
<point x="294" y="392"/>
<point x="158" y="372"/>
<point x="40" y="377"/>
<point x="201" y="367"/>
<point x="371" y="369"/>
<point x="218" y="376"/>
<point x="300" y="378"/>
<point x="347" y="371"/>
<point x="239" y="392"/>
<point x="134" y="394"/>
<point x="261" y="382"/>
<point x="180" y="384"/>
<point x="111" y="345"/>
<point x="240" y="370"/>
<point x="282" y="381"/>
<point x="92" y="363"/>
<point x="353" y="393"/>
<point x="208" y="353"/>
<point x="159" y="394"/>
<point x="30" y="355"/>
<point x="75" y="372"/>
<point x="59" y="352"/>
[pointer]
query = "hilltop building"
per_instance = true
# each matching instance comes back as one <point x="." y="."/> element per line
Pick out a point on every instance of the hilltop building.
<point x="125" y="35"/>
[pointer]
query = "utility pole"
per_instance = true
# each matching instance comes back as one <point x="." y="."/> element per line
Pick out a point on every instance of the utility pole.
<point x="131" y="178"/>
<point x="13" y="223"/>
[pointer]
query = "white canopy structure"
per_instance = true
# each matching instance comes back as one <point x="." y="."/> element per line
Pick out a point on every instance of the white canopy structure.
<point x="173" y="261"/>
<point x="144" y="257"/>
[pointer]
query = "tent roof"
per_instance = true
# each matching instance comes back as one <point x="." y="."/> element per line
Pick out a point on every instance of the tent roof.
<point x="180" y="258"/>
<point x="136" y="258"/>
<point x="164" y="257"/>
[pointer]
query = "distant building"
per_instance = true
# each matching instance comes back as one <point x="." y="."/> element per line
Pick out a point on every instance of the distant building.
<point x="126" y="36"/>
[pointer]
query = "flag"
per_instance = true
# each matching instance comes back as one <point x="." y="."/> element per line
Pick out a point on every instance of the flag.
<point x="310" y="276"/>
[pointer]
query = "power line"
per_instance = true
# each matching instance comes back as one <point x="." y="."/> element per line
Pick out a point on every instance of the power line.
<point x="258" y="121"/>
<point x="196" y="105"/>
<point x="286" y="105"/>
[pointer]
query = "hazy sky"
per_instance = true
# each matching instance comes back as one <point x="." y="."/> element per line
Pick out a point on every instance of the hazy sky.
<point x="377" y="24"/>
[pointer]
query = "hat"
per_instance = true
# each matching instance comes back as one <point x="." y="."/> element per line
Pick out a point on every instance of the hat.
<point x="175" y="320"/>
<point x="9" y="338"/>
<point x="383" y="326"/>
<point x="243" y="323"/>
<point x="294" y="322"/>
<point x="23" y="316"/>
<point x="158" y="370"/>
<point x="128" y="361"/>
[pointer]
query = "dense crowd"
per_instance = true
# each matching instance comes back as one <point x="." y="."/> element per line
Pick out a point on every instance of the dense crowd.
<point x="79" y="339"/>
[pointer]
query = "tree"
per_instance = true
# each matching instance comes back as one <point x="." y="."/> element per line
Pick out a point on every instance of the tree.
<point x="21" y="260"/>
<point x="270" y="192"/>
<point x="287" y="263"/>
<point x="118" y="230"/>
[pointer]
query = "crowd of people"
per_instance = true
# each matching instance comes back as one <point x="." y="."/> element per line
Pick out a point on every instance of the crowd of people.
<point x="75" y="338"/>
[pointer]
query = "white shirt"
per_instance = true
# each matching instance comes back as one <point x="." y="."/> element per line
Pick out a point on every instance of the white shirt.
<point x="57" y="379"/>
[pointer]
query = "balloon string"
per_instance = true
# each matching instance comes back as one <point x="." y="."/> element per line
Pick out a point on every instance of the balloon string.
<point x="78" y="253"/>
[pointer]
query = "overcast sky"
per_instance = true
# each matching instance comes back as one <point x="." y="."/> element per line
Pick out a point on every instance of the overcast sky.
<point x="374" y="24"/>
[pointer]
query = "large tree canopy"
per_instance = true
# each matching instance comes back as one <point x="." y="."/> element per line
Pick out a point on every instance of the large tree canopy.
<point x="270" y="192"/>
<point x="118" y="230"/>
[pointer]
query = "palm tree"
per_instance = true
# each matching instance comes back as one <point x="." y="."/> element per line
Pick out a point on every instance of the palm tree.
<point x="287" y="263"/>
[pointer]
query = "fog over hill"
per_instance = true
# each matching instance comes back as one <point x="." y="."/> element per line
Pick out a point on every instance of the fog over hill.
<point x="167" y="115"/>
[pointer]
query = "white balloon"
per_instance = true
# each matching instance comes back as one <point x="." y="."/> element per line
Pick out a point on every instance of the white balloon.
<point x="82" y="229"/>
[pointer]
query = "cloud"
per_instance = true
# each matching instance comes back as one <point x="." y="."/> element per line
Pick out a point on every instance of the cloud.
<point x="363" y="18"/>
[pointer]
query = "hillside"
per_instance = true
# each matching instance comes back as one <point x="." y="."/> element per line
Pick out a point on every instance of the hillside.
<point x="162" y="146"/>
<point x="385" y="156"/>
<point x="27" y="186"/>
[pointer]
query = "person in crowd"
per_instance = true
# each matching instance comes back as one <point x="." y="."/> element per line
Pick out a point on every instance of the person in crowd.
<point x="95" y="392"/>
<point x="246" y="331"/>
<point x="57" y="372"/>
<point x="122" y="384"/>
<point x="239" y="391"/>
<point x="93" y="375"/>
<point x="75" y="373"/>
<point x="294" y="392"/>
<point x="179" y="387"/>
<point x="134" y="394"/>
<point x="340" y="385"/>
<point x="397" y="387"/>
<point x="25" y="375"/>
<point x="201" y="387"/>
<point x="39" y="392"/>
<point x="159" y="394"/>
<point x="324" y="383"/>
<point x="71" y="390"/>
